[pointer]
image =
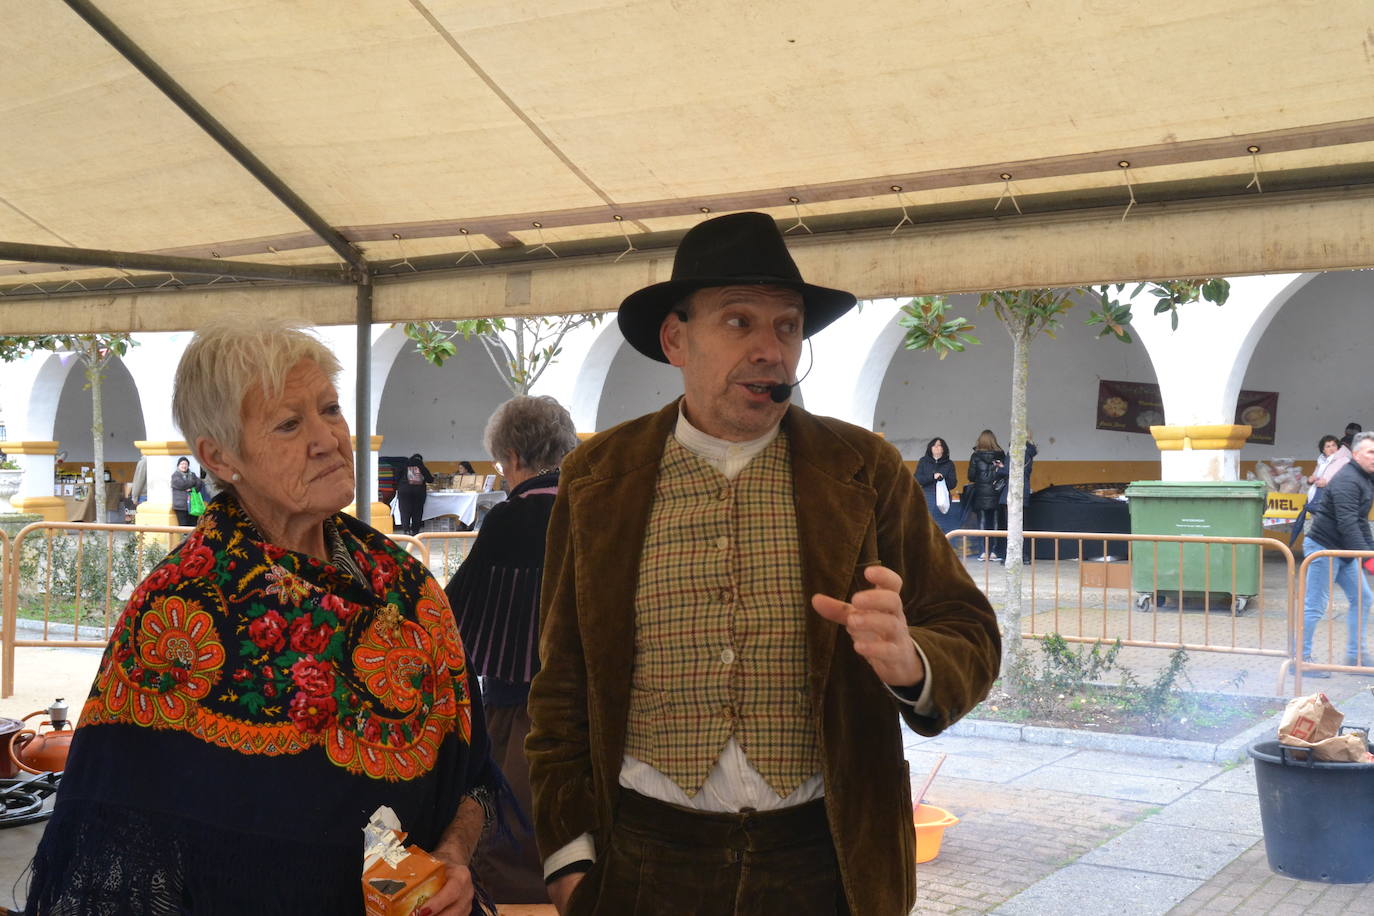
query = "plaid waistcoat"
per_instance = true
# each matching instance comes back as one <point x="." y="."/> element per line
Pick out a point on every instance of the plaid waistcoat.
<point x="720" y="624"/>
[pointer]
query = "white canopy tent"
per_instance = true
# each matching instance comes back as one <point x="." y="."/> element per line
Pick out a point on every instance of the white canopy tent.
<point x="418" y="131"/>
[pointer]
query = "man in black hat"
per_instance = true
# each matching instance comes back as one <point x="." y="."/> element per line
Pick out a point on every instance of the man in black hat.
<point x="740" y="599"/>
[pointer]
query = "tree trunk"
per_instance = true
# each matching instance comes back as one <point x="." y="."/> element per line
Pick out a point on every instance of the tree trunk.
<point x="1016" y="484"/>
<point x="95" y="371"/>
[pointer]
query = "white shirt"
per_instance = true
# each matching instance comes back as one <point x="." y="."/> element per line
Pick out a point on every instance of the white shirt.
<point x="733" y="783"/>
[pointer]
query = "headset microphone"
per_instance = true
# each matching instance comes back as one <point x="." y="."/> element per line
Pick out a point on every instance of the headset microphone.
<point x="782" y="391"/>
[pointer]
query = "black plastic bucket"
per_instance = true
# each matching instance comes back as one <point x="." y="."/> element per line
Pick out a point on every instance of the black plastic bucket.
<point x="1317" y="815"/>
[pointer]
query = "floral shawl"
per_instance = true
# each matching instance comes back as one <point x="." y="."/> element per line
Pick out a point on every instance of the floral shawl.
<point x="252" y="709"/>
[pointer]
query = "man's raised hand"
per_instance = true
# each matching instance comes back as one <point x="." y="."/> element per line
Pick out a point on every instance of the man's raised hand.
<point x="874" y="620"/>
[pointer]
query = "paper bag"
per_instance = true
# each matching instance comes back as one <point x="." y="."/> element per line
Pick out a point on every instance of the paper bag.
<point x="1308" y="720"/>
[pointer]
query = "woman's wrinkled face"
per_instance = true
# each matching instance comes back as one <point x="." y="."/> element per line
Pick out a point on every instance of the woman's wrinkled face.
<point x="296" y="455"/>
<point x="183" y="465"/>
<point x="937" y="451"/>
<point x="1329" y="447"/>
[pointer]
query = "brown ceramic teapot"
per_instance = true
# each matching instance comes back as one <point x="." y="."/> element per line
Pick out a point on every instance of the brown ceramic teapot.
<point x="35" y="751"/>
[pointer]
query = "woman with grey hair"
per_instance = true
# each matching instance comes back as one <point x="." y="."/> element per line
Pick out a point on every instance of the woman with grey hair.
<point x="495" y="596"/>
<point x="281" y="675"/>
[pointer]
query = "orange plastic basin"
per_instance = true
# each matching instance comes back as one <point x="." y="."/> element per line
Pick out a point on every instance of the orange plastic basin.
<point x="930" y="830"/>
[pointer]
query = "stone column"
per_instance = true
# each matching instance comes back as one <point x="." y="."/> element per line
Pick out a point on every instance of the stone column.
<point x="1200" y="452"/>
<point x="379" y="513"/>
<point x="39" y="461"/>
<point x="162" y="461"/>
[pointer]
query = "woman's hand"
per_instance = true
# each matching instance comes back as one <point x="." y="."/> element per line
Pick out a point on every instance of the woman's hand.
<point x="1320" y="481"/>
<point x="939" y="476"/>
<point x="455" y="897"/>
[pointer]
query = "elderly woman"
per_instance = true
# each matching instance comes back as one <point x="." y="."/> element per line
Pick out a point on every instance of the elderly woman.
<point x="495" y="596"/>
<point x="282" y="674"/>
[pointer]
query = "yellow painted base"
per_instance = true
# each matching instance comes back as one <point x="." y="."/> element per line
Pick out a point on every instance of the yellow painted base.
<point x="155" y="514"/>
<point x="52" y="508"/>
<point x="379" y="516"/>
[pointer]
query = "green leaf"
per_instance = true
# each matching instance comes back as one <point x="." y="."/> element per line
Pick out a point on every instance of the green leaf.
<point x="254" y="701"/>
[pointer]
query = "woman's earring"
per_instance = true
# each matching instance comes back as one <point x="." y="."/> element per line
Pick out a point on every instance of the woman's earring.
<point x="236" y="477"/>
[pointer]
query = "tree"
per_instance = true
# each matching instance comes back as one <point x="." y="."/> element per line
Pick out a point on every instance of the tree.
<point x="1026" y="314"/>
<point x="520" y="348"/>
<point x="95" y="352"/>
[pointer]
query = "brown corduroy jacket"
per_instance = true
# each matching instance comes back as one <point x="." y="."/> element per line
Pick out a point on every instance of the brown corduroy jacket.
<point x="856" y="505"/>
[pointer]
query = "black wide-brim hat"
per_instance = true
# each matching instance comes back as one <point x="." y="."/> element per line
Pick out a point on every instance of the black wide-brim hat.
<point x="740" y="249"/>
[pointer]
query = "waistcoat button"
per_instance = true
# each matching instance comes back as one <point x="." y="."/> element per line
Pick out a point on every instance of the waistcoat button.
<point x="727" y="655"/>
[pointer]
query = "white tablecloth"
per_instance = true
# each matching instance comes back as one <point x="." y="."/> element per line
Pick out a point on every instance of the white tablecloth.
<point x="462" y="505"/>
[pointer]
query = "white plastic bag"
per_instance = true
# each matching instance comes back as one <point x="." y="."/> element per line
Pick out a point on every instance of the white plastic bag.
<point x="941" y="496"/>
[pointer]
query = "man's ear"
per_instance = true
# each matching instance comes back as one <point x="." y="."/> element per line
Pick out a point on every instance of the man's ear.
<point x="671" y="337"/>
<point x="214" y="457"/>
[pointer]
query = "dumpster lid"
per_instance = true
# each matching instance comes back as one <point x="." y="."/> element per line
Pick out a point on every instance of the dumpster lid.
<point x="1195" y="489"/>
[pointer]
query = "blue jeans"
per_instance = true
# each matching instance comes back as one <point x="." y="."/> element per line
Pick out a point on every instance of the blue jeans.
<point x="1348" y="572"/>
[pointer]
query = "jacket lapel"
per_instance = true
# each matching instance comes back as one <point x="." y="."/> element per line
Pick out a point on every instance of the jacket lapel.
<point x="835" y="526"/>
<point x="610" y="515"/>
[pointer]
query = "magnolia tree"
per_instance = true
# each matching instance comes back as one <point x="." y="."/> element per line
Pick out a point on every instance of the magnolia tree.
<point x="1026" y="314"/>
<point x="95" y="352"/>
<point x="520" y="348"/>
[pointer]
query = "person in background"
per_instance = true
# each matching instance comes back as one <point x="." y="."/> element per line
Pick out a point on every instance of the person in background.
<point x="1331" y="457"/>
<point x="1340" y="522"/>
<point x="936" y="466"/>
<point x="183" y="482"/>
<point x="1028" y="464"/>
<point x="1351" y="429"/>
<point x="411" y="492"/>
<point x="495" y="598"/>
<point x="987" y="477"/>
<point x="465" y="467"/>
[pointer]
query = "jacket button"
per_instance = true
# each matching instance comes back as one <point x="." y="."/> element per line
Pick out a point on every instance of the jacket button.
<point x="724" y="493"/>
<point x="722" y="542"/>
<point x="727" y="595"/>
<point x="727" y="655"/>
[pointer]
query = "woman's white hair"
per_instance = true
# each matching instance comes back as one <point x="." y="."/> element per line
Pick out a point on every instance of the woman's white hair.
<point x="228" y="358"/>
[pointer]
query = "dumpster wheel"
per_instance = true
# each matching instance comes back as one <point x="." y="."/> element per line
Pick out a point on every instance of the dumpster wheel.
<point x="1143" y="600"/>
<point x="1240" y="603"/>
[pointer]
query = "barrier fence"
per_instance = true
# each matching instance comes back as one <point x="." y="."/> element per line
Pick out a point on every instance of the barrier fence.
<point x="1200" y="594"/>
<point x="1356" y="616"/>
<point x="65" y="584"/>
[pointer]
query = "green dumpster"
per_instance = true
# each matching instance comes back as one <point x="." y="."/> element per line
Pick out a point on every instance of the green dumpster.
<point x="1160" y="570"/>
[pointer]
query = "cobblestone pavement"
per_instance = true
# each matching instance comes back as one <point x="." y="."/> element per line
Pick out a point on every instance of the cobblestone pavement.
<point x="1248" y="886"/>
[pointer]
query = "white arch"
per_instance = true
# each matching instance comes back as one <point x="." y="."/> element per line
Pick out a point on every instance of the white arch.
<point x="1200" y="366"/>
<point x="851" y="358"/>
<point x="590" y="381"/>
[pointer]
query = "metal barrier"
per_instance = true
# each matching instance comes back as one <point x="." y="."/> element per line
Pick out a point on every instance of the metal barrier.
<point x="1359" y="607"/>
<point x="1124" y="600"/>
<point x="54" y="584"/>
<point x="456" y="545"/>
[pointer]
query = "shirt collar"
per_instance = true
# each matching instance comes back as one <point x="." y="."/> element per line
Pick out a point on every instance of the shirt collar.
<point x="718" y="450"/>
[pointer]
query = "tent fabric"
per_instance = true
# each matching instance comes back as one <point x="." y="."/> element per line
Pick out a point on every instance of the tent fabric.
<point x="404" y="123"/>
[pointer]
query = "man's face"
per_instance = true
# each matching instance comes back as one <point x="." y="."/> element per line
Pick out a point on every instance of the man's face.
<point x="739" y="341"/>
<point x="1364" y="456"/>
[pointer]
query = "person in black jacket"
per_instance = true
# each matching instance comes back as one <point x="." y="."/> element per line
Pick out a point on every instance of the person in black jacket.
<point x="1340" y="522"/>
<point x="936" y="466"/>
<point x="495" y="599"/>
<point x="411" y="493"/>
<point x="987" y="477"/>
